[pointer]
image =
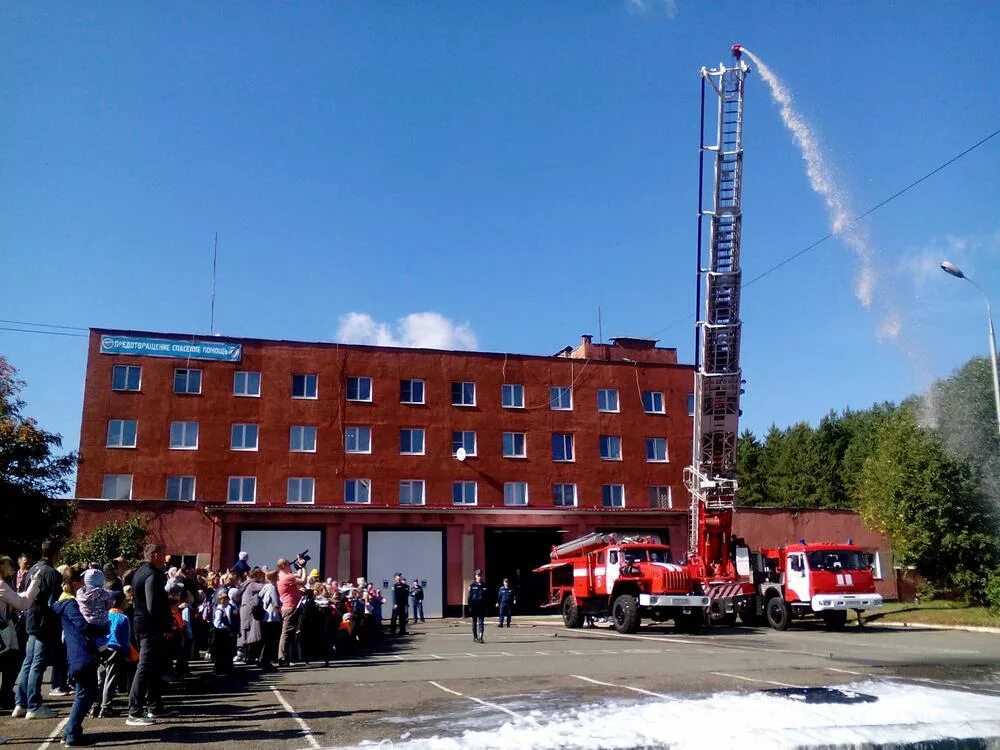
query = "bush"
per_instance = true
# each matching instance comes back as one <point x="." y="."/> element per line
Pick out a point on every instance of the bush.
<point x="992" y="592"/>
<point x="108" y="541"/>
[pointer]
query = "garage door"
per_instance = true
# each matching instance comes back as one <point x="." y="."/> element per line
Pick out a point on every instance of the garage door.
<point x="265" y="546"/>
<point x="415" y="554"/>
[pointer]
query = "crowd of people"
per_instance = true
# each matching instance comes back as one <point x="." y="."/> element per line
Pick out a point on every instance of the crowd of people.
<point x="114" y="635"/>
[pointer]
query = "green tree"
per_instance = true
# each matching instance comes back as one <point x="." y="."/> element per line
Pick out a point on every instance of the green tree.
<point x="752" y="486"/>
<point x="31" y="474"/>
<point x="108" y="541"/>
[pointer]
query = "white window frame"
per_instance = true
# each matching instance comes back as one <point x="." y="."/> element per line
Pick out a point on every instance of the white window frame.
<point x="556" y="392"/>
<point x="876" y="564"/>
<point x="572" y="447"/>
<point x="308" y="377"/>
<point x="571" y="485"/>
<point x="464" y="485"/>
<point x="302" y="430"/>
<point x="128" y="369"/>
<point x="511" y="501"/>
<point x="358" y="483"/>
<point x="298" y="483"/>
<point x="357" y="381"/>
<point x="180" y="479"/>
<point x="653" y="397"/>
<point x="357" y="429"/>
<point x="607" y="394"/>
<point x="245" y="392"/>
<point x="409" y="485"/>
<point x="463" y="402"/>
<point x="654" y="442"/>
<point x="411" y="401"/>
<point x="412" y="432"/>
<point x="241" y="427"/>
<point x="609" y="438"/>
<point x="118" y="479"/>
<point x="185" y="428"/>
<point x="657" y="488"/>
<point x="242" y="500"/>
<point x="611" y="494"/>
<point x="512" y="389"/>
<point x="524" y="445"/>
<point x="120" y="424"/>
<point x="464" y="433"/>
<point x="187" y="381"/>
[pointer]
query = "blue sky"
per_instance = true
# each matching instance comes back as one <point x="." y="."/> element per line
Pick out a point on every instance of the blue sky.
<point x="509" y="166"/>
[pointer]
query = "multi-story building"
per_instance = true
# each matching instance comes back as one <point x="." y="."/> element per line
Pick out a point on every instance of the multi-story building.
<point x="378" y="459"/>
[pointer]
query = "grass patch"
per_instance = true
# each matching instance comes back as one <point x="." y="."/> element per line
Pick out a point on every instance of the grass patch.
<point x="934" y="613"/>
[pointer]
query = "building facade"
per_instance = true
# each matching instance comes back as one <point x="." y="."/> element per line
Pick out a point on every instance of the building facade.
<point x="379" y="459"/>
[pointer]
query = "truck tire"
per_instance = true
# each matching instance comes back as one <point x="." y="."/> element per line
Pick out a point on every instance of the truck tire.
<point x="572" y="616"/>
<point x="625" y="614"/>
<point x="835" y="619"/>
<point x="779" y="614"/>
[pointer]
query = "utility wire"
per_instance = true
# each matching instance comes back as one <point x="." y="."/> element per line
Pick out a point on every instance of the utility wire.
<point x="47" y="333"/>
<point x="856" y="219"/>
<point x="42" y="325"/>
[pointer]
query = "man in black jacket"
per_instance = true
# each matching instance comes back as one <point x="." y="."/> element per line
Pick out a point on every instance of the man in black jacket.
<point x="44" y="632"/>
<point x="477" y="606"/>
<point x="400" y="599"/>
<point x="151" y="623"/>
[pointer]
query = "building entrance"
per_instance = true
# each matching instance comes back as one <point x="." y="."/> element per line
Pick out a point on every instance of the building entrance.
<point x="513" y="554"/>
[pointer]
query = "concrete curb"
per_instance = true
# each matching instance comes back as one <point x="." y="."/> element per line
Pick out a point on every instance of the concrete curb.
<point x="930" y="626"/>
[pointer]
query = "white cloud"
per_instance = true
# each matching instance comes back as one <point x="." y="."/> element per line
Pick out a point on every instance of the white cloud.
<point x="643" y="6"/>
<point x="423" y="330"/>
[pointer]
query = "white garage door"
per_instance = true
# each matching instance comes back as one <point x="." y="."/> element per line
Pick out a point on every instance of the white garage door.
<point x="265" y="546"/>
<point x="415" y="554"/>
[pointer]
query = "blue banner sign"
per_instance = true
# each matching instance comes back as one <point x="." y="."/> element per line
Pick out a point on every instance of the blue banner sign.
<point x="220" y="351"/>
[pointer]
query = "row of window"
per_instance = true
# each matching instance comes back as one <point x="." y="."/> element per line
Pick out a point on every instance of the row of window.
<point x="463" y="393"/>
<point x="123" y="433"/>
<point x="302" y="490"/>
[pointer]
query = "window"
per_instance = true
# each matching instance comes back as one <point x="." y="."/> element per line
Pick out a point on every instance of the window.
<point x="514" y="445"/>
<point x="562" y="446"/>
<point x="304" y="386"/>
<point x="659" y="496"/>
<point x="180" y="488"/>
<point x="515" y="493"/>
<point x="613" y="495"/>
<point x="246" y="384"/>
<point x="411" y="391"/>
<point x="184" y="435"/>
<point x="464" y="493"/>
<point x="243" y="437"/>
<point x="358" y="440"/>
<point x="611" y="447"/>
<point x="359" y="389"/>
<point x="463" y="394"/>
<point x="564" y="495"/>
<point x="117" y="487"/>
<point x="690" y="404"/>
<point x="411" y="442"/>
<point x="652" y="402"/>
<point x="656" y="449"/>
<point x="301" y="490"/>
<point x="122" y="433"/>
<point x="512" y="396"/>
<point x="607" y="399"/>
<point x="358" y="491"/>
<point x="187" y="381"/>
<point x="126" y="377"/>
<point x="465" y="440"/>
<point x="411" y="492"/>
<point x="242" y="489"/>
<point x="876" y="564"/>
<point x="560" y="398"/>
<point x="302" y="439"/>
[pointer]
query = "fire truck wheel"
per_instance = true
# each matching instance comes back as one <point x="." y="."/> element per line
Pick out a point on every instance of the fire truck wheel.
<point x="779" y="614"/>
<point x="625" y="614"/>
<point x="835" y="619"/>
<point x="572" y="616"/>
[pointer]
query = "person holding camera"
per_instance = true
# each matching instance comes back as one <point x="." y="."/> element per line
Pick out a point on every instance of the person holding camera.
<point x="290" y="587"/>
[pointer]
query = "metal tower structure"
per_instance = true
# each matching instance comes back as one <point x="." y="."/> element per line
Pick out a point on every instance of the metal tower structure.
<point x="711" y="478"/>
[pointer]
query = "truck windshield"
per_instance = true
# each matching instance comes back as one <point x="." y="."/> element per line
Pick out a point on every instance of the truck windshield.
<point x="837" y="559"/>
<point x="643" y="554"/>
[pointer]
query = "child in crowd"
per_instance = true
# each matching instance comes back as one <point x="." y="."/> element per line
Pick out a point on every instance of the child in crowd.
<point x="95" y="603"/>
<point x="224" y="621"/>
<point x="113" y="670"/>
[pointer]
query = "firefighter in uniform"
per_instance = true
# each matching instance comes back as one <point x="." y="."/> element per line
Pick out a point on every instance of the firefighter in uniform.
<point x="477" y="606"/>
<point x="505" y="602"/>
<point x="400" y="599"/>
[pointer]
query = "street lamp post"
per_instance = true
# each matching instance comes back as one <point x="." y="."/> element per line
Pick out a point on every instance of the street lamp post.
<point x="951" y="268"/>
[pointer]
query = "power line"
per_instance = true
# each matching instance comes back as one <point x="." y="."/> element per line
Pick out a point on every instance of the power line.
<point x="859" y="217"/>
<point x="42" y="325"/>
<point x="46" y="333"/>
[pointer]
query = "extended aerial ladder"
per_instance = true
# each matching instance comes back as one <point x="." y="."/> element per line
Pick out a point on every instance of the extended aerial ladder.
<point x="711" y="478"/>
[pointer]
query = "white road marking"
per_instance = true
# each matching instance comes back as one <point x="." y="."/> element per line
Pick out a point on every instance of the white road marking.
<point x="949" y="684"/>
<point x="472" y="655"/>
<point x="543" y="653"/>
<point x="55" y="733"/>
<point x="480" y="701"/>
<point x="754" y="679"/>
<point x="298" y="719"/>
<point x="619" y="687"/>
<point x="435" y="656"/>
<point x="506" y="653"/>
<point x="842" y="671"/>
<point x="395" y="656"/>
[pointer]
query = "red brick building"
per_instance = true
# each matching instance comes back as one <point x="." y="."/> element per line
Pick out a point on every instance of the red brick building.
<point x="353" y="451"/>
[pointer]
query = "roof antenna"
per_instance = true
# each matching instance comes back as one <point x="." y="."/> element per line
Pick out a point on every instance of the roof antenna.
<point x="215" y="258"/>
<point x="600" y="327"/>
